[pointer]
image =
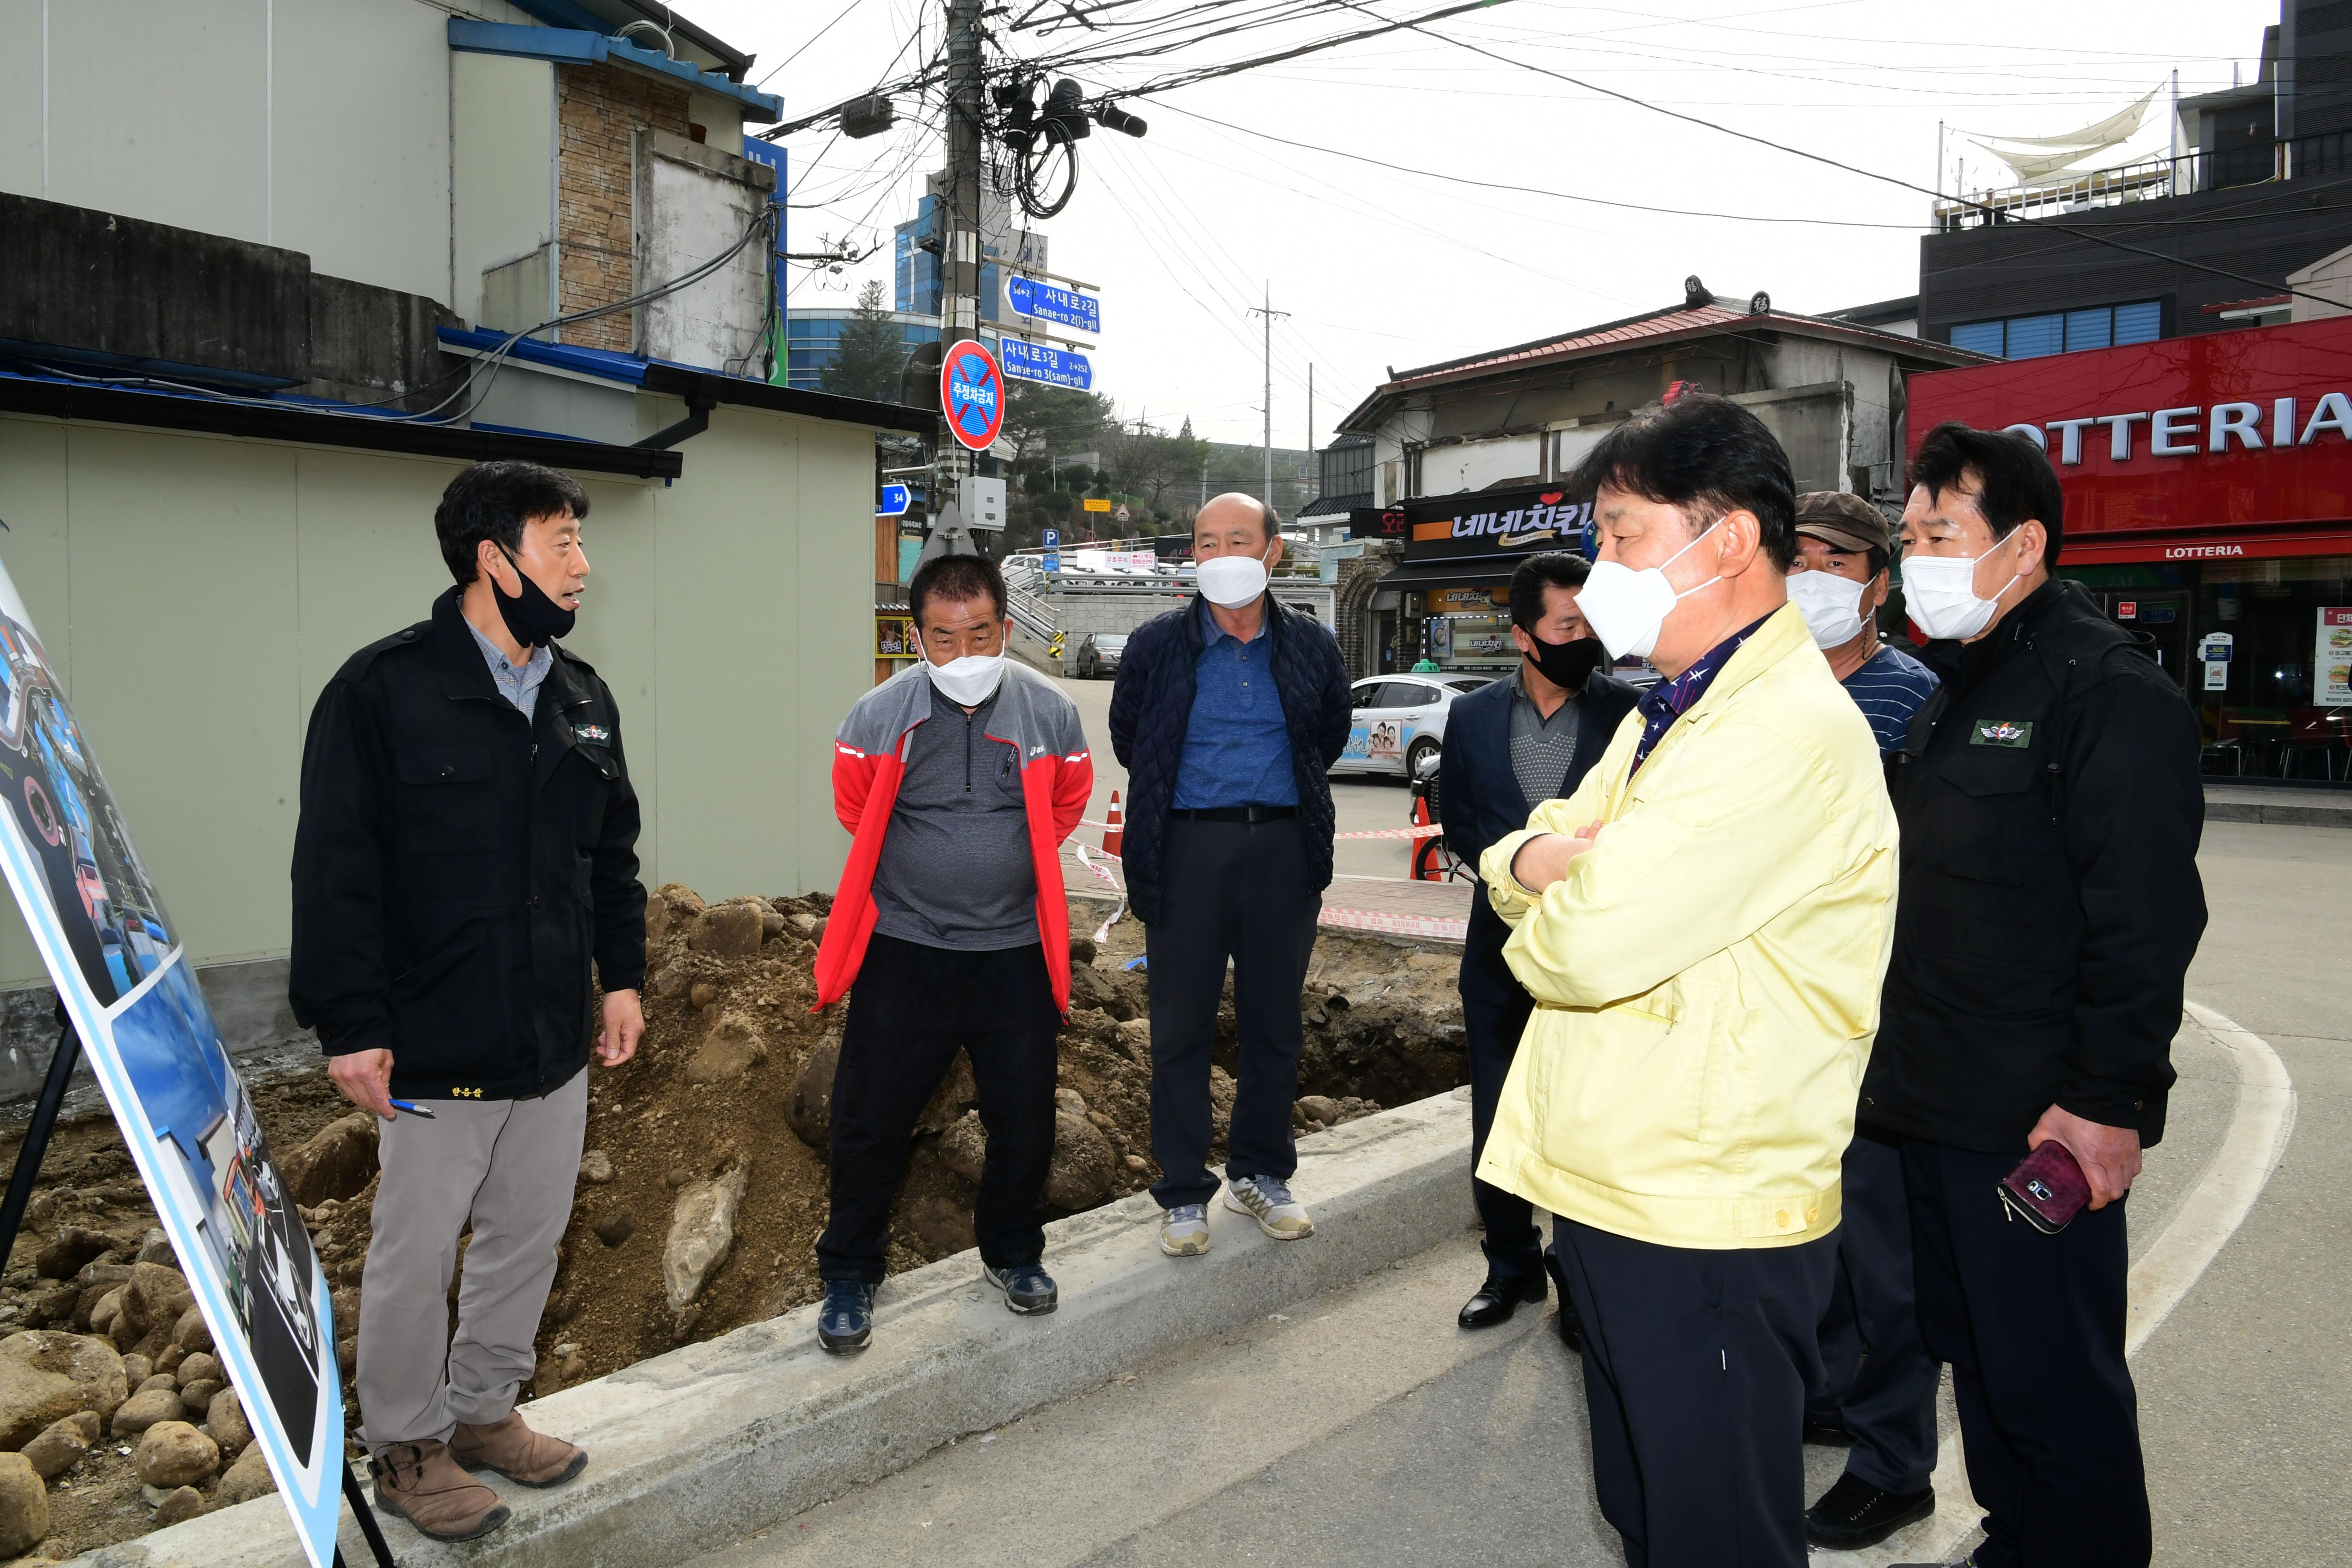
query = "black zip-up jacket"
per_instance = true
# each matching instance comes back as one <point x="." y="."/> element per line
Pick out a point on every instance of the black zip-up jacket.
<point x="1151" y="707"/>
<point x="457" y="866"/>
<point x="2050" y="900"/>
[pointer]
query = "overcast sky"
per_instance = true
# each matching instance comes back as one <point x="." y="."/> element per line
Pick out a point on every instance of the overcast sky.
<point x="1183" y="228"/>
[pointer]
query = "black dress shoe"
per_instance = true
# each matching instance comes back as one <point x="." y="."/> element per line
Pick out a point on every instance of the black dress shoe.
<point x="1498" y="1299"/>
<point x="1829" y="1431"/>
<point x="845" y="1321"/>
<point x="1854" y="1514"/>
<point x="1571" y="1328"/>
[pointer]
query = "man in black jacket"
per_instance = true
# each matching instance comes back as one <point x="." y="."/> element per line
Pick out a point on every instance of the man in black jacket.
<point x="466" y="849"/>
<point x="1227" y="716"/>
<point x="1510" y="745"/>
<point x="2050" y="905"/>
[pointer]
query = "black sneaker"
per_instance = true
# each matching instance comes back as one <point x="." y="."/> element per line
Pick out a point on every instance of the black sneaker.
<point x="1028" y="1289"/>
<point x="845" y="1321"/>
<point x="1854" y="1514"/>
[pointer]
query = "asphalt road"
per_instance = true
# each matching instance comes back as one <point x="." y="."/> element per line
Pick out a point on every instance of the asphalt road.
<point x="1361" y="1427"/>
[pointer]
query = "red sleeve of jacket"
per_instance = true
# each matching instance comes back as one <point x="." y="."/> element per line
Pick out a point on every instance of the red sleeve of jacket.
<point x="1074" y="785"/>
<point x="852" y="779"/>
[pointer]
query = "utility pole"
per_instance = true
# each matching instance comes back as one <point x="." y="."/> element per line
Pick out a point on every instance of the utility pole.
<point x="1269" y="313"/>
<point x="1310" y="411"/>
<point x="958" y="258"/>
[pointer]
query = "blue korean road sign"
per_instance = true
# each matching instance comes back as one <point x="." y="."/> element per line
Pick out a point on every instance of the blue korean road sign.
<point x="1028" y="297"/>
<point x="894" y="501"/>
<point x="1053" y="538"/>
<point x="1055" y="367"/>
<point x="1052" y="561"/>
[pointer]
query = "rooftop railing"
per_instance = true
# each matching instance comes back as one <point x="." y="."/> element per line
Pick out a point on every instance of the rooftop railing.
<point x="2150" y="179"/>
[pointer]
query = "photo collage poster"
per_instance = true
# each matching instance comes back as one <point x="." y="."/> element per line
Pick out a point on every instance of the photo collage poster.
<point x="118" y="966"/>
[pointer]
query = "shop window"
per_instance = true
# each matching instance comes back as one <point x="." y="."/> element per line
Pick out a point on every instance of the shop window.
<point x="2140" y="323"/>
<point x="2031" y="337"/>
<point x="1979" y="337"/>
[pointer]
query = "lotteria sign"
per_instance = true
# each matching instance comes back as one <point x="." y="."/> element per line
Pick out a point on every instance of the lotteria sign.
<point x="2218" y="446"/>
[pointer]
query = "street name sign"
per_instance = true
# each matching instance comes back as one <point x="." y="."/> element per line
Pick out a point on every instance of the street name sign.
<point x="1047" y="302"/>
<point x="971" y="394"/>
<point x="1053" y="367"/>
<point x="894" y="501"/>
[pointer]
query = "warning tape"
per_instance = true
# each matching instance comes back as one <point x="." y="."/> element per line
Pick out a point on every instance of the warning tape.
<point x="1102" y="932"/>
<point x="1438" y="926"/>
<point x="1427" y="830"/>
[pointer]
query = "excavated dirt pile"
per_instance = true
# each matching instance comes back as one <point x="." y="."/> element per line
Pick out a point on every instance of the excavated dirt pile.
<point x="702" y="1186"/>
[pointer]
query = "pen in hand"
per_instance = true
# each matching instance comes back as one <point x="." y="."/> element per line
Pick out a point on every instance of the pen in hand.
<point x="413" y="1109"/>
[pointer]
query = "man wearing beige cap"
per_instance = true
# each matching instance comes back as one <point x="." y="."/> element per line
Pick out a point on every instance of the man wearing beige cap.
<point x="1843" y="546"/>
<point x="1884" y="1404"/>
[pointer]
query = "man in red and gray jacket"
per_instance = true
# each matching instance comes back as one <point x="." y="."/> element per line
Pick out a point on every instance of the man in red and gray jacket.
<point x="959" y="777"/>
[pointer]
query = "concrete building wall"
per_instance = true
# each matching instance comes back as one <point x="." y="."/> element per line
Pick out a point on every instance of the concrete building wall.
<point x="599" y="111"/>
<point x="503" y="207"/>
<point x="1081" y="611"/>
<point x="318" y="125"/>
<point x="197" y="593"/>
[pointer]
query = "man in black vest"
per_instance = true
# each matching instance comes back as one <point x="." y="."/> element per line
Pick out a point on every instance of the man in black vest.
<point x="466" y="851"/>
<point x="2049" y="907"/>
<point x="1510" y="745"/>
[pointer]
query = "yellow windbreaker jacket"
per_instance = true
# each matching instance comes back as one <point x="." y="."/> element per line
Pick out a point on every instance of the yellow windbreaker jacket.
<point x="1706" y="975"/>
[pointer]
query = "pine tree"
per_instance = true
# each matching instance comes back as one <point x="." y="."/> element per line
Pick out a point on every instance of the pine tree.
<point x="871" y="352"/>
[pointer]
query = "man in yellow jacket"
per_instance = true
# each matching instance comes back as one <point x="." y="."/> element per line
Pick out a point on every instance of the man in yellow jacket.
<point x="1704" y="925"/>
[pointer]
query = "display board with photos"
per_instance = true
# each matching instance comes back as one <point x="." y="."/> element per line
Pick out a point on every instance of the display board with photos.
<point x="124" y="975"/>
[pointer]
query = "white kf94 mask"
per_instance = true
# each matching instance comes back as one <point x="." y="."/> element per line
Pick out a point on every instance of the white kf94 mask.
<point x="1626" y="609"/>
<point x="967" y="682"/>
<point x="1940" y="593"/>
<point x="1830" y="604"/>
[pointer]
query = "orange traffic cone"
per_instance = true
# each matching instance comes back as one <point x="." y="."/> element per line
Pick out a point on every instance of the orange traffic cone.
<point x="1113" y="832"/>
<point x="1425" y="868"/>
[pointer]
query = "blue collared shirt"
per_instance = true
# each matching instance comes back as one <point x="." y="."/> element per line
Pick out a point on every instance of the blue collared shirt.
<point x="518" y="684"/>
<point x="1237" y="742"/>
<point x="1669" y="699"/>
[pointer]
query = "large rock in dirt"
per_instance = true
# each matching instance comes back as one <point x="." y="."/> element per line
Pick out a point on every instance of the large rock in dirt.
<point x="957" y="1093"/>
<point x="595" y="1167"/>
<point x="61" y="1444"/>
<point x="335" y="1163"/>
<point x="732" y="1047"/>
<point x="684" y="902"/>
<point x="1084" y="1164"/>
<point x="66" y="1253"/>
<point x="179" y="1506"/>
<point x="225" y="1419"/>
<point x="656" y="918"/>
<point x="191" y="1333"/>
<point x="196" y="1398"/>
<point x="46" y="1374"/>
<point x="142" y="1411"/>
<point x="701" y="1230"/>
<point x="154" y="1299"/>
<point x="963" y="1147"/>
<point x="808" y="1110"/>
<point x="23" y="1504"/>
<point x="174" y="1453"/>
<point x="727" y="931"/>
<point x="1135" y="1041"/>
<point x="248" y="1478"/>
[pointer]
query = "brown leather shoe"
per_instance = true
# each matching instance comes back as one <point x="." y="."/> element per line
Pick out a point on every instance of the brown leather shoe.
<point x="422" y="1484"/>
<point x="516" y="1452"/>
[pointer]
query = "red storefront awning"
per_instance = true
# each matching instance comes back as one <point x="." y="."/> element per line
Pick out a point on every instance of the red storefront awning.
<point x="2220" y="446"/>
<point x="2201" y="544"/>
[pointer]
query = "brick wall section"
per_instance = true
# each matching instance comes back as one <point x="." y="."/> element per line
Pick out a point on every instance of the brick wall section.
<point x="599" y="110"/>
<point x="1359" y="581"/>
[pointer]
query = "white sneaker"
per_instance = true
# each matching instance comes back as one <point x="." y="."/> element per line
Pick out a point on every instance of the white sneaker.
<point x="1268" y="1200"/>
<point x="1184" y="1230"/>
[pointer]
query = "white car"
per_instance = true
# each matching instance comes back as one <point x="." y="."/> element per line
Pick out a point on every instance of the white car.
<point x="1399" y="719"/>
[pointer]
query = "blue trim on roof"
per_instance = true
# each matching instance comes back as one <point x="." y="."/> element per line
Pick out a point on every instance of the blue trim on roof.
<point x="590" y="45"/>
<point x="608" y="364"/>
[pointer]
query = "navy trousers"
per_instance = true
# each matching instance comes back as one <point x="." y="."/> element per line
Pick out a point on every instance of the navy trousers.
<point x="1231" y="891"/>
<point x="1878" y="1379"/>
<point x="1513" y="1245"/>
<point x="1696" y="1366"/>
<point x="2033" y="1326"/>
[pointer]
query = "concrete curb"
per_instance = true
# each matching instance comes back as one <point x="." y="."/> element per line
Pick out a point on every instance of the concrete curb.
<point x="2284" y="813"/>
<point x="700" y="1448"/>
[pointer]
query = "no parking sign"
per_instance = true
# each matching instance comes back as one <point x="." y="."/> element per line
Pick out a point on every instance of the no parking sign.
<point x="971" y="394"/>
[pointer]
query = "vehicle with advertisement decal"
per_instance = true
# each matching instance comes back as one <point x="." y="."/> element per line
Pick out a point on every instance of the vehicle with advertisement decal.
<point x="1399" y="720"/>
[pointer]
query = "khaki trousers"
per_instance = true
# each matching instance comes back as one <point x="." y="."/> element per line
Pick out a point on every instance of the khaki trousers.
<point x="510" y="1166"/>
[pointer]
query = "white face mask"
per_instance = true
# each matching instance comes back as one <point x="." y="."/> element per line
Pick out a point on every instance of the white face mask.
<point x="1229" y="581"/>
<point x="1626" y="609"/>
<point x="1940" y="593"/>
<point x="1830" y="604"/>
<point x="967" y="682"/>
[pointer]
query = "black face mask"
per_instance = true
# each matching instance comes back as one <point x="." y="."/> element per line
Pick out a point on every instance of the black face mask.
<point x="1568" y="664"/>
<point x="534" y="619"/>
